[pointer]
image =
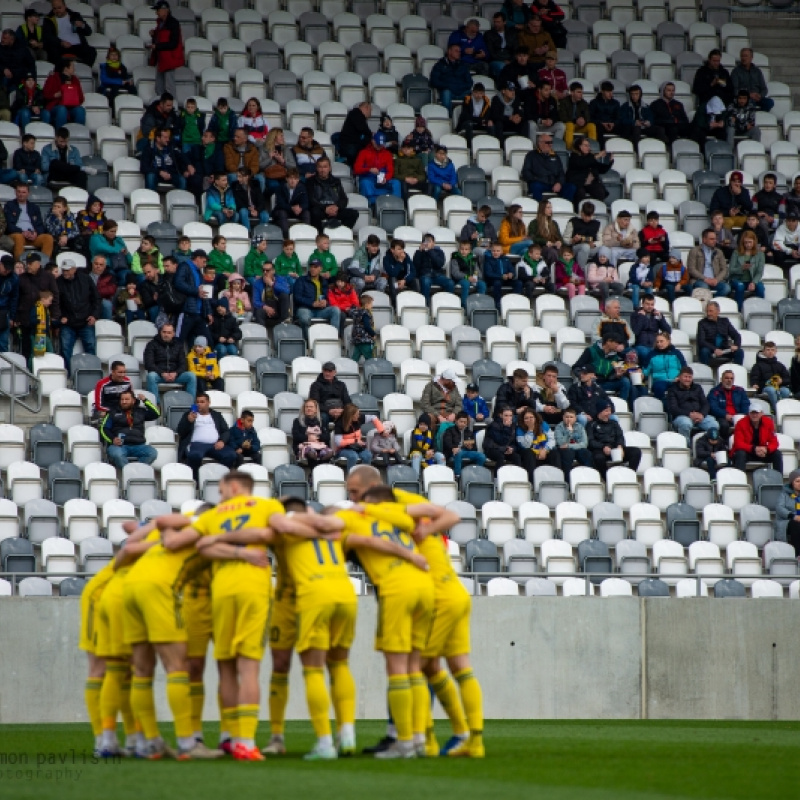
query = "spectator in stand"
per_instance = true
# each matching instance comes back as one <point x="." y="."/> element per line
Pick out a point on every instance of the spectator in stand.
<point x="790" y="202"/>
<point x="92" y="218"/>
<point x="387" y="128"/>
<point x="786" y="244"/>
<point x="717" y="338"/>
<point x="605" y="357"/>
<point x="538" y="41"/>
<point x="363" y="333"/>
<point x="613" y="325"/>
<point x="105" y="242"/>
<point x="366" y="271"/>
<point x="479" y="230"/>
<point x="355" y="134"/>
<point x="754" y="439"/>
<point x="374" y="168"/>
<point x="586" y="394"/>
<point x="29" y="103"/>
<point x="687" y="406"/>
<point x="733" y="201"/>
<point x="519" y="71"/>
<point x="31" y="34"/>
<point x="349" y="443"/>
<point x="147" y="251"/>
<point x="500" y="440"/>
<point x="741" y="119"/>
<point x="309" y="294"/>
<point x="441" y="399"/>
<point x="225" y="330"/>
<point x="26" y="224"/>
<point x="114" y="76"/>
<point x="250" y="202"/>
<point x="287" y="264"/>
<point x="662" y="364"/>
<point x="9" y="300"/>
<point x="536" y="443"/>
<point x="309" y="420"/>
<point x="574" y="112"/>
<point x="726" y="402"/>
<point x="61" y="225"/>
<point x="670" y="116"/>
<point x="603" y="278"/>
<point x="754" y="226"/>
<point x="107" y="391"/>
<point x="747" y="268"/>
<point x="535" y="273"/>
<point x="509" y="113"/>
<point x="149" y="290"/>
<point x="343" y="296"/>
<point x="106" y="285"/>
<point x="220" y="202"/>
<point x="767" y="201"/>
<point x="122" y="429"/>
<point x="654" y="238"/>
<point x="327" y="200"/>
<point x="713" y="80"/>
<point x="550" y="396"/>
<point x="787" y="511"/>
<point x="330" y="393"/>
<point x="203" y="163"/>
<point x="707" y="266"/>
<point x="552" y="17"/>
<point x="253" y="121"/>
<point x="163" y="162"/>
<point x="442" y="175"/>
<point x="569" y="275"/>
<point x="517" y="14"/>
<point x="637" y="119"/>
<point x="32" y="282"/>
<point x="770" y="377"/>
<point x="204" y="434"/>
<point x="271" y="295"/>
<point x="458" y="445"/>
<point x="421" y="139"/>
<point x="646" y="323"/>
<point x="220" y="260"/>
<point x="160" y="114"/>
<point x="606" y="112"/>
<point x="499" y="272"/>
<point x="429" y="267"/>
<point x="584" y="170"/>
<point x="466" y="271"/>
<point x="724" y="235"/>
<point x="6" y="242"/>
<point x="572" y="442"/>
<point x="65" y="33"/>
<point x="474" y="51"/>
<point x="307" y="152"/>
<point x="451" y="77"/>
<point x="275" y="160"/>
<point x="223" y="121"/>
<point x="605" y="436"/>
<point x="399" y="270"/>
<point x="165" y="362"/>
<point x="291" y="202"/>
<point x="240" y="153"/>
<point x="27" y="164"/>
<point x="62" y="162"/>
<point x="475" y="116"/>
<point x="746" y="75"/>
<point x="196" y="309"/>
<point x="620" y="239"/>
<point x="543" y="171"/>
<point x="64" y="96"/>
<point x="244" y="439"/>
<point x="16" y="61"/>
<point x="583" y="233"/>
<point x="475" y="407"/>
<point x="516" y="393"/>
<point x="238" y="298"/>
<point x="80" y="309"/>
<point x="545" y="232"/>
<point x="556" y="77"/>
<point x="409" y="170"/>
<point x="501" y="41"/>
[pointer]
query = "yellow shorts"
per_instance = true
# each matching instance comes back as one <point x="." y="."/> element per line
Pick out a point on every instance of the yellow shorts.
<point x="241" y="625"/>
<point x="109" y="621"/>
<point x="86" y="640"/>
<point x="404" y="619"/>
<point x="152" y="614"/>
<point x="450" y="631"/>
<point x="325" y="626"/>
<point x="283" y="624"/>
<point x="199" y="628"/>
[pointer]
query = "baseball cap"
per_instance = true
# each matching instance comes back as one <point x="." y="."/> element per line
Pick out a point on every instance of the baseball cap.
<point x="602" y="405"/>
<point x="314" y="262"/>
<point x="33" y="258"/>
<point x="68" y="263"/>
<point x="756" y="406"/>
<point x="511" y="86"/>
<point x="792" y="215"/>
<point x="199" y="254"/>
<point x="160" y="4"/>
<point x="472" y="387"/>
<point x="379" y="139"/>
<point x="329" y="366"/>
<point x="449" y="375"/>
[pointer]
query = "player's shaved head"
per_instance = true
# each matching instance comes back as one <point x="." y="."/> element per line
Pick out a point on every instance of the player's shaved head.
<point x="294" y="504"/>
<point x="360" y="479"/>
<point x="378" y="494"/>
<point x="235" y="483"/>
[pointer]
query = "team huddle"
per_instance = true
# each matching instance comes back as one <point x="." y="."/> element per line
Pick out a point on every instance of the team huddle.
<point x="181" y="582"/>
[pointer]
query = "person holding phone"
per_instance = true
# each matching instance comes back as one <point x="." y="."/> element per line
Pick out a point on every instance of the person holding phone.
<point x="746" y="268"/>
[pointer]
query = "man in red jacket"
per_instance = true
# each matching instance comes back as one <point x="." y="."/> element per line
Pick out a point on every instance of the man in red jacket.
<point x="754" y="439"/>
<point x="375" y="170"/>
<point x="166" y="49"/>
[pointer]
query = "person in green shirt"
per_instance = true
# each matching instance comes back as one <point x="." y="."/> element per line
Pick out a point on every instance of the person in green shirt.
<point x="147" y="248"/>
<point x="193" y="123"/>
<point x="325" y="257"/>
<point x="219" y="258"/>
<point x="254" y="261"/>
<point x="287" y="263"/>
<point x="183" y="252"/>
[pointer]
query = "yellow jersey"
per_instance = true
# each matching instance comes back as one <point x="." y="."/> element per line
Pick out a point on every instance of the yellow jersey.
<point x="95" y="586"/>
<point x="235" y="577"/>
<point x="389" y="573"/>
<point x="285" y="588"/>
<point x="162" y="566"/>
<point x="317" y="568"/>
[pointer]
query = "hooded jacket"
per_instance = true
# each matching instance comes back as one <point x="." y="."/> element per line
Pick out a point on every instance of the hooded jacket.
<point x="724" y="200"/>
<point x="663" y="365"/>
<point x="508" y="396"/>
<point x="324" y="391"/>
<point x="439" y="174"/>
<point x="374" y="158"/>
<point x="436" y="401"/>
<point x="453" y="76"/>
<point x="238" y="436"/>
<point x="747" y="437"/>
<point x="585" y="399"/>
<point x="478" y="44"/>
<point x="154" y="117"/>
<point x="79" y="299"/>
<point x="765" y="368"/>
<point x="708" y="330"/>
<point x="604" y="434"/>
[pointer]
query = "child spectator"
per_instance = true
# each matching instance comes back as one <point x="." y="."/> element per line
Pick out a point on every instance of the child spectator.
<point x="640" y="277"/>
<point x="741" y="118"/>
<point x="244" y="439"/>
<point x="29" y="103"/>
<point x="466" y="270"/>
<point x="572" y="442"/>
<point x="724" y="235"/>
<point x="534" y="272"/>
<point x="61" y="225"/>
<point x="385" y="448"/>
<point x="409" y="170"/>
<point x="114" y="76"/>
<point x="204" y="365"/>
<point x="475" y="407"/>
<point x="421" y="449"/>
<point x="672" y="278"/>
<point x="40" y="324"/>
<point x="323" y="254"/>
<point x="146" y="250"/>
<point x="429" y="267"/>
<point x="569" y="275"/>
<point x="654" y="238"/>
<point x="183" y="252"/>
<point x="92" y="218"/>
<point x="459" y="445"/>
<point x="271" y="297"/>
<point x="442" y="176"/>
<point x="365" y="268"/>
<point x="769" y="376"/>
<point x="210" y="285"/>
<point x="223" y="121"/>
<point x="314" y="450"/>
<point x="192" y="125"/>
<point x="766" y="203"/>
<point x="752" y="223"/>
<point x="27" y="162"/>
<point x="254" y="261"/>
<point x="128" y="303"/>
<point x="225" y="330"/>
<point x="498" y="272"/>
<point x="603" y="278"/>
<point x="362" y="334"/>
<point x="287" y="264"/>
<point x="479" y="230"/>
<point x="705" y="449"/>
<point x="421" y="139"/>
<point x="399" y="270"/>
<point x="238" y="298"/>
<point x="342" y="295"/>
<point x="219" y="258"/>
<point x="392" y="137"/>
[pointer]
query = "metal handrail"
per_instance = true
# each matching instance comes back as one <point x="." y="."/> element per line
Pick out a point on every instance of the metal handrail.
<point x="13" y="396"/>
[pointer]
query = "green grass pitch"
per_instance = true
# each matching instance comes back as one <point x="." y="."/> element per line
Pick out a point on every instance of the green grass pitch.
<point x="536" y="760"/>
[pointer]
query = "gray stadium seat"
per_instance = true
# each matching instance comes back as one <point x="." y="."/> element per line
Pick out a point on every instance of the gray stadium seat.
<point x="482" y="557"/>
<point x="271" y="376"/>
<point x="728" y="587"/>
<point x="593" y="557"/>
<point x="653" y="587"/>
<point x="16" y="555"/>
<point x="174" y="405"/>
<point x="47" y="445"/>
<point x="87" y="370"/>
<point x="402" y="476"/>
<point x="289" y="342"/>
<point x="64" y="482"/>
<point x="379" y="377"/>
<point x="71" y="587"/>
<point x="477" y="485"/>
<point x="289" y="479"/>
<point x="682" y="523"/>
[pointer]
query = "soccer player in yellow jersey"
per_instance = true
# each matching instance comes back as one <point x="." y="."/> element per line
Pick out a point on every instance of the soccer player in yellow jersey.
<point x="240" y="599"/>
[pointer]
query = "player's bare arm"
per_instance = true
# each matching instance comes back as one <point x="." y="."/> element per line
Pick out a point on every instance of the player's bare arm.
<point x="243" y="536"/>
<point x="178" y="539"/>
<point x="356" y="542"/>
<point x="305" y="528"/>
<point x="131" y="552"/>
<point x="172" y="521"/>
<point x="433" y="519"/>
<point x="222" y="551"/>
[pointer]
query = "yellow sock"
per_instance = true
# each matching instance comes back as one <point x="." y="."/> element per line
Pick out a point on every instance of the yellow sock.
<point x="248" y="721"/>
<point x="421" y="702"/>
<point x="180" y="703"/>
<point x="197" y="697"/>
<point x="144" y="707"/>
<point x="472" y="698"/>
<point x="343" y="690"/>
<point x="318" y="700"/>
<point x="230" y="722"/>
<point x="91" y="696"/>
<point x="111" y="693"/>
<point x="278" y="698"/>
<point x="128" y="720"/>
<point x="445" y="690"/>
<point x="400" y="706"/>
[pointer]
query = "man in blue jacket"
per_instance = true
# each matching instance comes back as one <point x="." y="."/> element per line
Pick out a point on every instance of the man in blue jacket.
<point x="310" y="291"/>
<point x="726" y="401"/>
<point x="26" y="224"/>
<point x="474" y="52"/>
<point x="62" y="161"/>
<point x="244" y="439"/>
<point x="9" y="298"/>
<point x="451" y="77"/>
<point x="196" y="313"/>
<point x="399" y="270"/>
<point x="162" y="162"/>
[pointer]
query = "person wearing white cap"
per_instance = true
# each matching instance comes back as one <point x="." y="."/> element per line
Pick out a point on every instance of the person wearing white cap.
<point x="441" y="398"/>
<point x="754" y="439"/>
<point x="80" y="309"/>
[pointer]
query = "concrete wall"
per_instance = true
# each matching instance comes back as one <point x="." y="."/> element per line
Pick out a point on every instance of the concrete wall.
<point x="557" y="658"/>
